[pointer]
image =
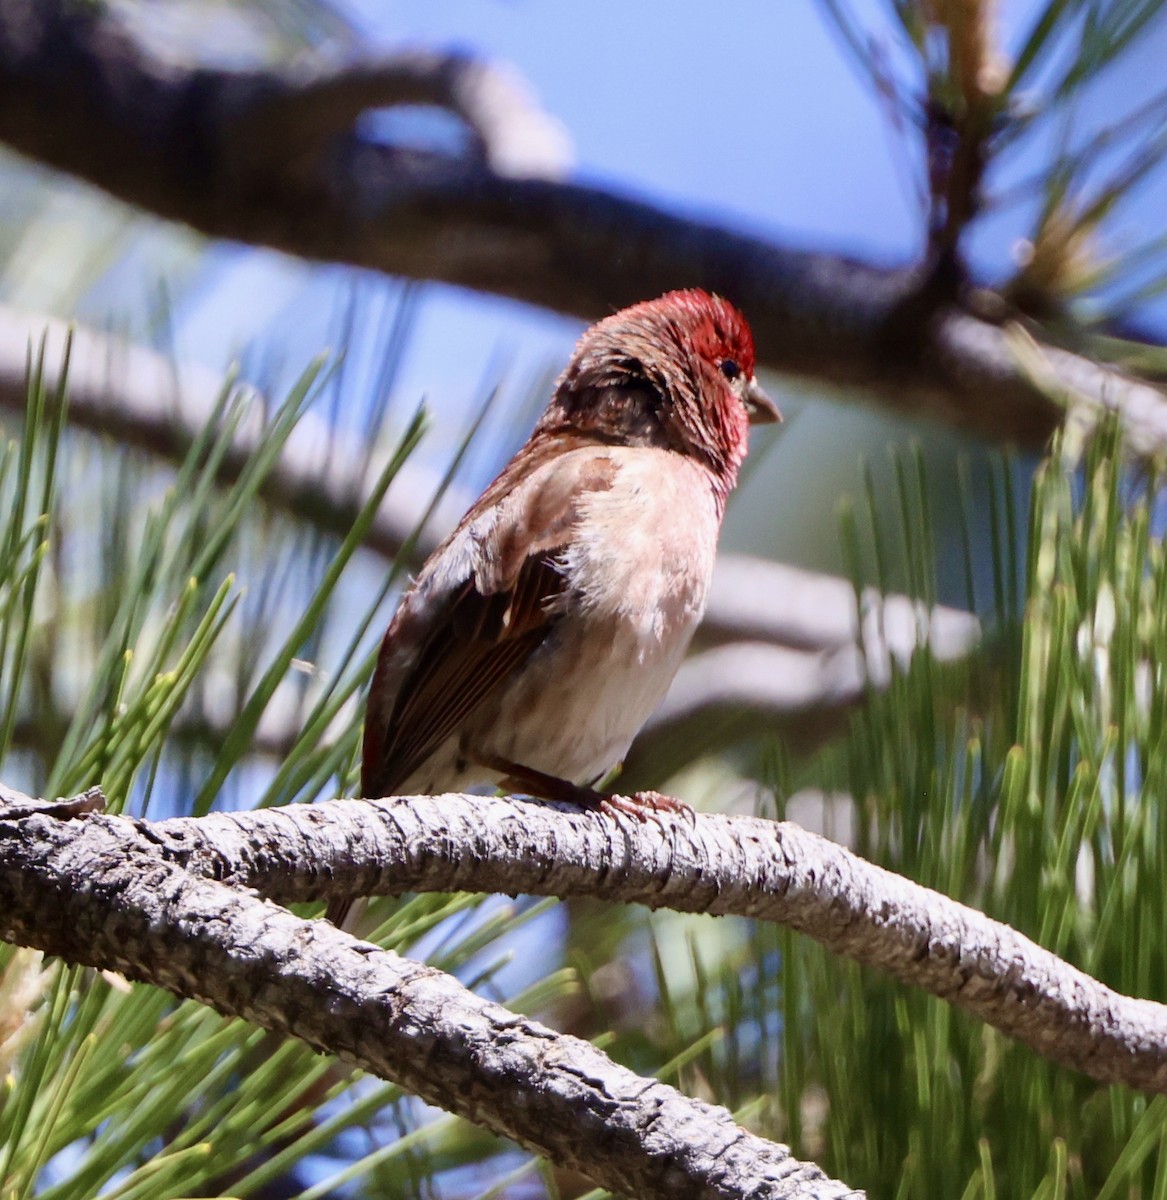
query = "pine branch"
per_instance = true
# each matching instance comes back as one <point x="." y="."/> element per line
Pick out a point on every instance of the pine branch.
<point x="53" y="895"/>
<point x="140" y="399"/>
<point x="104" y="892"/>
<point x="273" y="158"/>
<point x="706" y="863"/>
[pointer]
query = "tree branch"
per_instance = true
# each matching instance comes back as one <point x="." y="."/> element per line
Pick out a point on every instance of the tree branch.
<point x="219" y="151"/>
<point x="101" y="892"/>
<point x="707" y="863"/>
<point x="139" y="399"/>
<point x="511" y="135"/>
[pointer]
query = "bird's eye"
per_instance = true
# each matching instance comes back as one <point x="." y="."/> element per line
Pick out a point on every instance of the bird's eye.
<point x="729" y="368"/>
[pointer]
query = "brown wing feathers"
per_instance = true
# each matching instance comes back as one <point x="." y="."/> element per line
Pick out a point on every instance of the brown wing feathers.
<point x="493" y="622"/>
<point x="482" y="641"/>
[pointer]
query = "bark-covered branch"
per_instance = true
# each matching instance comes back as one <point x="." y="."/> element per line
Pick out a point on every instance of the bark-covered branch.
<point x="509" y="132"/>
<point x="105" y="892"/>
<point x="140" y="399"/>
<point x="778" y="649"/>
<point x="707" y="863"/>
<point x="704" y="863"/>
<point x="275" y="158"/>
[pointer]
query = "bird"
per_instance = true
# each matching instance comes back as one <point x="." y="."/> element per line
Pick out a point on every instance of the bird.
<point x="539" y="637"/>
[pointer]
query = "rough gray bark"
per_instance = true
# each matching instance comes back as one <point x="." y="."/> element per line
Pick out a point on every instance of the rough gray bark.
<point x="709" y="863"/>
<point x="272" y="158"/>
<point x="706" y="863"/>
<point x="103" y="892"/>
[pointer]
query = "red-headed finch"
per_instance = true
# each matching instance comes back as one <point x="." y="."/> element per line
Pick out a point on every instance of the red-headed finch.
<point x="540" y="636"/>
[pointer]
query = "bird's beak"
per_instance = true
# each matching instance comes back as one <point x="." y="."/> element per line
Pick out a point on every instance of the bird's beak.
<point x="762" y="410"/>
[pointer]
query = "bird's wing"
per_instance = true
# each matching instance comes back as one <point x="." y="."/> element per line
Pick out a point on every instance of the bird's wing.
<point x="481" y="606"/>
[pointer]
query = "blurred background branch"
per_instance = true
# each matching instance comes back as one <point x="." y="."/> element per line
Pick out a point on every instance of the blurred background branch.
<point x="277" y="158"/>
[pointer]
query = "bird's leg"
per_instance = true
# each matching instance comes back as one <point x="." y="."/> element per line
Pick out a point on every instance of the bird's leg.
<point x="531" y="782"/>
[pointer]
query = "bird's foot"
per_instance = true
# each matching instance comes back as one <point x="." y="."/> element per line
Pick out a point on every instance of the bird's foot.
<point x="647" y="805"/>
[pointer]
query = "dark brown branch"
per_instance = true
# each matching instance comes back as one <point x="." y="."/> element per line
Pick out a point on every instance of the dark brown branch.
<point x="99" y="891"/>
<point x="964" y="105"/>
<point x="79" y="95"/>
<point x="511" y="134"/>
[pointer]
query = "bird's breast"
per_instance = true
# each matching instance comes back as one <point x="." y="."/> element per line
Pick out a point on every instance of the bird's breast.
<point x="642" y="552"/>
<point x="637" y="574"/>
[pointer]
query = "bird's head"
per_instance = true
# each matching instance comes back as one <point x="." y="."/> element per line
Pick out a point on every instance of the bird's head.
<point x="676" y="372"/>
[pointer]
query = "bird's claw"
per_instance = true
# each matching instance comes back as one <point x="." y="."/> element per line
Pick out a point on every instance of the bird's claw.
<point x="647" y="805"/>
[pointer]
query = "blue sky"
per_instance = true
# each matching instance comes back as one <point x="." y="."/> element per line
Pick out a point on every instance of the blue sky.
<point x="728" y="110"/>
<point x="750" y="113"/>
